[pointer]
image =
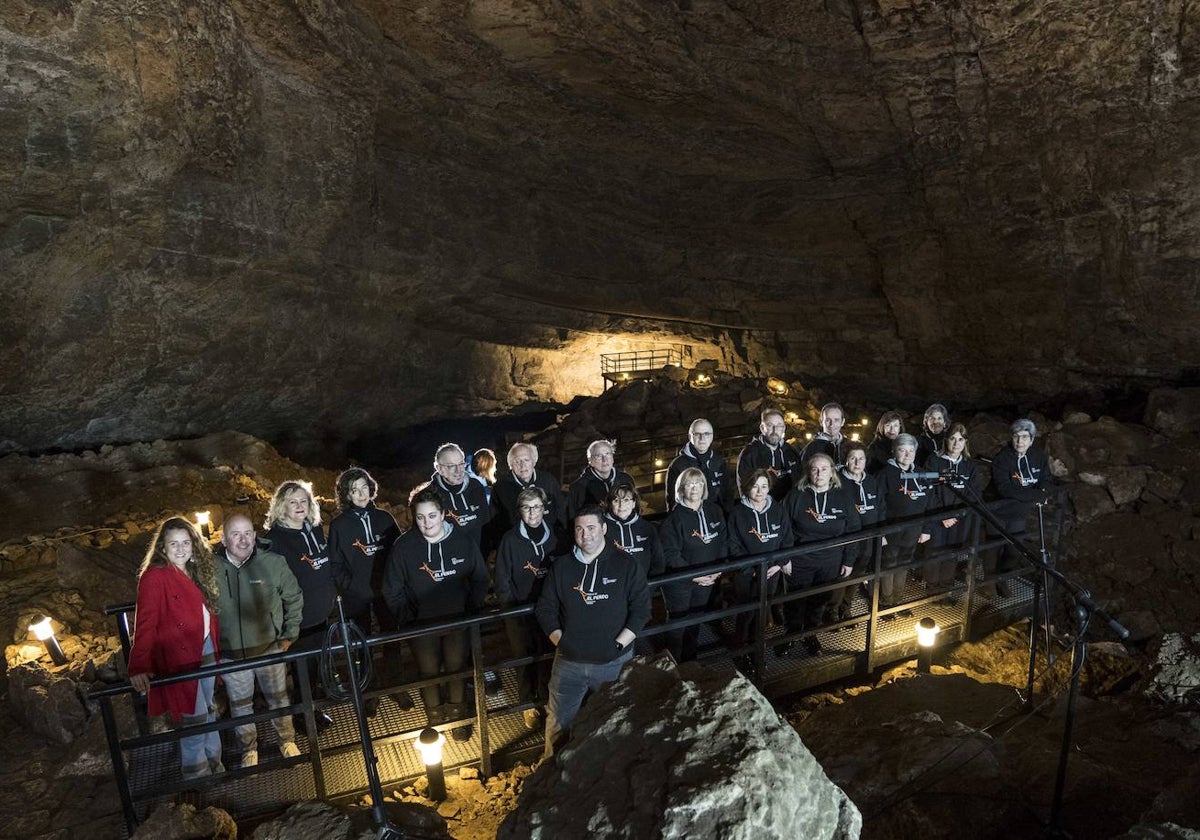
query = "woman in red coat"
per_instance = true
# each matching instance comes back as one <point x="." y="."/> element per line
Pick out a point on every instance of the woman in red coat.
<point x="176" y="630"/>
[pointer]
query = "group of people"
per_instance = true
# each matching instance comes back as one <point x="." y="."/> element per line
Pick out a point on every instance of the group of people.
<point x="584" y="557"/>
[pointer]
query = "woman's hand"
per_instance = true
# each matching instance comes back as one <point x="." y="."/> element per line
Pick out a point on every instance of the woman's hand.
<point x="949" y="523"/>
<point x="924" y="538"/>
<point x="140" y="682"/>
<point x="706" y="580"/>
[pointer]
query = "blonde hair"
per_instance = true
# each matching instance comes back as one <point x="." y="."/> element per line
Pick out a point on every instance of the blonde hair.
<point x="201" y="568"/>
<point x="275" y="512"/>
<point x="805" y="479"/>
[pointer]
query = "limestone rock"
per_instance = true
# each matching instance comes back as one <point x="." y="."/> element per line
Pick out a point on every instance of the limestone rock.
<point x="183" y="821"/>
<point x="1177" y="675"/>
<point x="1173" y="411"/>
<point x="46" y="703"/>
<point x="307" y="821"/>
<point x="1091" y="502"/>
<point x="1160" y="831"/>
<point x="681" y="753"/>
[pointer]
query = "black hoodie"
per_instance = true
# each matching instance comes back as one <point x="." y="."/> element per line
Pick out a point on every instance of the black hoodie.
<point x="817" y="516"/>
<point x="469" y="510"/>
<point x="522" y="561"/>
<point x="752" y="532"/>
<point x="782" y="462"/>
<point x="307" y="555"/>
<point x="591" y="603"/>
<point x="639" y="539"/>
<point x="715" y="470"/>
<point x="694" y="537"/>
<point x="359" y="542"/>
<point x="443" y="579"/>
<point x="505" y="514"/>
<point x="591" y="489"/>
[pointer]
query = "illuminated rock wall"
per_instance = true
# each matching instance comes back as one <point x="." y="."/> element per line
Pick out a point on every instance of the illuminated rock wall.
<point x="334" y="218"/>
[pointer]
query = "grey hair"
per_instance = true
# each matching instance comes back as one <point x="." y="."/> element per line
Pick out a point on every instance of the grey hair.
<point x="512" y="449"/>
<point x="904" y="439"/>
<point x="689" y="473"/>
<point x="447" y="447"/>
<point x="936" y="408"/>
<point x="1025" y="425"/>
<point x="612" y="444"/>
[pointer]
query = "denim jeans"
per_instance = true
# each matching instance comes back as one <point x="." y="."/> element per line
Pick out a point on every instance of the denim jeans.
<point x="200" y="755"/>
<point x="570" y="683"/>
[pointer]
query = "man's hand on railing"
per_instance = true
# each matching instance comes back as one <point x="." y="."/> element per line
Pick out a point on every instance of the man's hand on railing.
<point x="706" y="580"/>
<point x="949" y="523"/>
<point x="846" y="570"/>
<point x="924" y="538"/>
<point x="140" y="682"/>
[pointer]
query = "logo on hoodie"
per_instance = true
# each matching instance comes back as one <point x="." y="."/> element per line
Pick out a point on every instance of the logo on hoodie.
<point x="315" y="562"/>
<point x="767" y="537"/>
<point x="536" y="571"/>
<point x="368" y="550"/>
<point x="590" y="598"/>
<point x="438" y="575"/>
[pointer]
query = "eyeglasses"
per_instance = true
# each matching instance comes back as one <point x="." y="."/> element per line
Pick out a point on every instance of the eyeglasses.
<point x="460" y="465"/>
<point x="532" y="508"/>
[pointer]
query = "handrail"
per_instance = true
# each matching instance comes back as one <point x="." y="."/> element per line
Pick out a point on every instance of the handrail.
<point x="475" y="622"/>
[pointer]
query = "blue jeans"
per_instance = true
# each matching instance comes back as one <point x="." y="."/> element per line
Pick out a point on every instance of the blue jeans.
<point x="570" y="683"/>
<point x="200" y="755"/>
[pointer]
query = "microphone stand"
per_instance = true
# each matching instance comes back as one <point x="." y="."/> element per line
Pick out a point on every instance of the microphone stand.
<point x="1085" y="610"/>
<point x="387" y="831"/>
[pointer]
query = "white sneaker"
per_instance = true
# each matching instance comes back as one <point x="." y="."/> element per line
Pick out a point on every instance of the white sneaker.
<point x="288" y="749"/>
<point x="250" y="758"/>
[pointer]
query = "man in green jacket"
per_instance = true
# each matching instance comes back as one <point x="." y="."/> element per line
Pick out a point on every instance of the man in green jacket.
<point x="260" y="604"/>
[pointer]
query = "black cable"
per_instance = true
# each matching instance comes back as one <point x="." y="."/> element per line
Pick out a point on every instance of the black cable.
<point x="330" y="678"/>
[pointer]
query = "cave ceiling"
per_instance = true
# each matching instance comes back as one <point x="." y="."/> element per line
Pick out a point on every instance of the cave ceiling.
<point x="331" y="218"/>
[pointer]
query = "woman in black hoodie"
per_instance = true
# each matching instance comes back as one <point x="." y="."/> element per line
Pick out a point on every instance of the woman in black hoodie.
<point x="693" y="534"/>
<point x="904" y="498"/>
<point x="293" y="524"/>
<point x="436" y="571"/>
<point x="891" y="424"/>
<point x="360" y="537"/>
<point x="960" y="473"/>
<point x="522" y="561"/>
<point x="758" y="525"/>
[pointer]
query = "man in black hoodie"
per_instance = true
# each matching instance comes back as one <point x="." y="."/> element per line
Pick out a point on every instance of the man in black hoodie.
<point x="698" y="453"/>
<point x="829" y="440"/>
<point x="523" y="474"/>
<point x="770" y="451"/>
<point x="598" y="478"/>
<point x="469" y="509"/>
<point x="593" y="604"/>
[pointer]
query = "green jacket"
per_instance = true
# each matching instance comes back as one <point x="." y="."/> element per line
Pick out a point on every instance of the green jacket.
<point x="260" y="603"/>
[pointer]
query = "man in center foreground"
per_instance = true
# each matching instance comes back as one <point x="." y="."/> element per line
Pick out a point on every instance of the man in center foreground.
<point x="594" y="603"/>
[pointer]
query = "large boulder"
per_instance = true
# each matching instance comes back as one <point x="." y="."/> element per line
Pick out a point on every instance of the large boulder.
<point x="46" y="703"/>
<point x="677" y="753"/>
<point x="183" y="821"/>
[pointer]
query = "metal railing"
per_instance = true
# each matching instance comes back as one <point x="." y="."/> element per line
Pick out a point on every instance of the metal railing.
<point x="614" y="364"/>
<point x="862" y="661"/>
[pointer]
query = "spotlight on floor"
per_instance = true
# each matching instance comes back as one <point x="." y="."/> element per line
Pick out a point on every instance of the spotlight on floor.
<point x="429" y="744"/>
<point x="927" y="633"/>
<point x="43" y="630"/>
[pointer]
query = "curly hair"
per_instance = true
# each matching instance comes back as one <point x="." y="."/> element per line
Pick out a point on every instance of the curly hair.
<point x="348" y="477"/>
<point x="201" y="568"/>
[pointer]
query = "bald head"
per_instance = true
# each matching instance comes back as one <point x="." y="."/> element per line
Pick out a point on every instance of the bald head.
<point x="238" y="538"/>
<point x="700" y="435"/>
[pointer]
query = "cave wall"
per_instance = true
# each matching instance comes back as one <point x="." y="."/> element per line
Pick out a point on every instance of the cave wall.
<point x="332" y="218"/>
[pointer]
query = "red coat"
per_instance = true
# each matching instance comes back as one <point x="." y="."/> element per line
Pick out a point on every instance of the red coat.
<point x="168" y="636"/>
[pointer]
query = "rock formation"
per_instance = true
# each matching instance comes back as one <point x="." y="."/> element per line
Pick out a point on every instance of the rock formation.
<point x="684" y="753"/>
<point x="327" y="219"/>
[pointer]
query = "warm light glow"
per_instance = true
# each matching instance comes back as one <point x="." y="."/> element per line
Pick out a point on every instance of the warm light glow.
<point x="864" y="422"/>
<point x="792" y="418"/>
<point x="927" y="632"/>
<point x="702" y="380"/>
<point x="658" y="462"/>
<point x="202" y="518"/>
<point x="43" y="629"/>
<point x="855" y="437"/>
<point x="429" y="745"/>
<point x="808" y="435"/>
<point x="777" y="386"/>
